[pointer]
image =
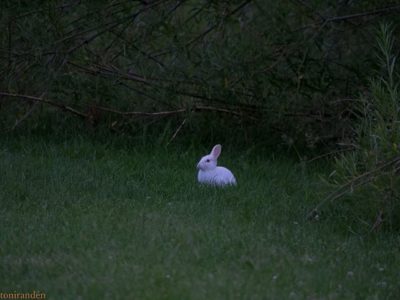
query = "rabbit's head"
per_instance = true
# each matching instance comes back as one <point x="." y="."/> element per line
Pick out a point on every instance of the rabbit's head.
<point x="209" y="162"/>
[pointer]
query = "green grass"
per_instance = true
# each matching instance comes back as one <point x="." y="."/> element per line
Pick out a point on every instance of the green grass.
<point x="81" y="220"/>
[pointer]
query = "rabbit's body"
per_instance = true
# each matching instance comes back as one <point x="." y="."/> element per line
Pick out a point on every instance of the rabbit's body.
<point x="210" y="173"/>
<point x="218" y="176"/>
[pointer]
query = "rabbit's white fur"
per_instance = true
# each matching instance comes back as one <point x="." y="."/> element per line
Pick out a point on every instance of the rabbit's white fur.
<point x="210" y="173"/>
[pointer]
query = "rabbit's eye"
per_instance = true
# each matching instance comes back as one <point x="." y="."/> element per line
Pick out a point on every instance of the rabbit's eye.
<point x="207" y="160"/>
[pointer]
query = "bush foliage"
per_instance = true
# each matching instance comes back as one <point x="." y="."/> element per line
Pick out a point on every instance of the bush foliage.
<point x="259" y="67"/>
<point x="369" y="171"/>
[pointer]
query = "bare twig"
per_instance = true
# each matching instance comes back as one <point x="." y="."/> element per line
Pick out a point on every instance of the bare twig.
<point x="25" y="116"/>
<point x="310" y="8"/>
<point x="378" y="221"/>
<point x="49" y="102"/>
<point x="149" y="81"/>
<point x="141" y="113"/>
<point x="112" y="25"/>
<point x="211" y="28"/>
<point x="381" y="11"/>
<point x="176" y="132"/>
<point x="195" y="108"/>
<point x="61" y="7"/>
<point x="217" y="109"/>
<point x="386" y="10"/>
<point x="207" y="31"/>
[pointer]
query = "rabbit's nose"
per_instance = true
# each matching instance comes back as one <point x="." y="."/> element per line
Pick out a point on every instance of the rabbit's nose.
<point x="198" y="166"/>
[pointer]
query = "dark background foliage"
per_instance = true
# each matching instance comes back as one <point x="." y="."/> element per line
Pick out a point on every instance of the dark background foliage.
<point x="281" y="72"/>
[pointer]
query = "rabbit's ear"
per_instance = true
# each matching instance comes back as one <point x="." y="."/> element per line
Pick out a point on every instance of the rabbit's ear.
<point x="216" y="151"/>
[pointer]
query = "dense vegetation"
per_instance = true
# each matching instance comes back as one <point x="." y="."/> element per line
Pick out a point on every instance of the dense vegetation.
<point x="290" y="68"/>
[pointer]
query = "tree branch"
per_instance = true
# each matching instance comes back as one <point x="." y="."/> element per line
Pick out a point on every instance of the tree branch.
<point x="49" y="102"/>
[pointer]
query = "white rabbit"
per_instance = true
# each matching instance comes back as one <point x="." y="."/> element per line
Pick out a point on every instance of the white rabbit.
<point x="209" y="173"/>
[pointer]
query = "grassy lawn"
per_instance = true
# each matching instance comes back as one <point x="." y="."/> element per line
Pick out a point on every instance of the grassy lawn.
<point x="81" y="220"/>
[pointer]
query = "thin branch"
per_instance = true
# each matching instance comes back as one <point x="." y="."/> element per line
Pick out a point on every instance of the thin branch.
<point x="310" y="8"/>
<point x="211" y="28"/>
<point x="25" y="116"/>
<point x="148" y="81"/>
<point x="87" y="16"/>
<point x="217" y="109"/>
<point x="27" y="14"/>
<point x="49" y="102"/>
<point x="207" y="31"/>
<point x="140" y="113"/>
<point x="114" y="24"/>
<point x="197" y="108"/>
<point x="386" y="10"/>
<point x="176" y="132"/>
<point x="381" y="11"/>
